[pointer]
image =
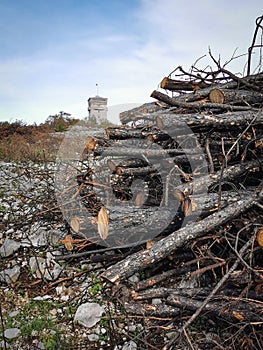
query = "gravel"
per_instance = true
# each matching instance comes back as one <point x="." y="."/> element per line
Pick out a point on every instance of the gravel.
<point x="31" y="230"/>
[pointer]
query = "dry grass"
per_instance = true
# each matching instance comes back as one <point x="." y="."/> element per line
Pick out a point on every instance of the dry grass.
<point x="20" y="142"/>
<point x="39" y="146"/>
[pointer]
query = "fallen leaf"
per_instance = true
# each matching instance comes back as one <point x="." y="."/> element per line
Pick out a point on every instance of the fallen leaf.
<point x="238" y="316"/>
<point x="187" y="206"/>
<point x="149" y="244"/>
<point x="179" y="195"/>
<point x="67" y="241"/>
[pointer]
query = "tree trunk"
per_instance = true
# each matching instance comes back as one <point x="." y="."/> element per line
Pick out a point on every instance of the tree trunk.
<point x="166" y="246"/>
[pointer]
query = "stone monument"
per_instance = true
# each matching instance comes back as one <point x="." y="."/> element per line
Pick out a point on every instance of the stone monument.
<point x="97" y="107"/>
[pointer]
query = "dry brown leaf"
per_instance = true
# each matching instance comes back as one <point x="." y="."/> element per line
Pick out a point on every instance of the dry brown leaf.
<point x="103" y="223"/>
<point x="149" y="244"/>
<point x="238" y="316"/>
<point x="150" y="307"/>
<point x="260" y="237"/>
<point x="179" y="195"/>
<point x="258" y="144"/>
<point x="187" y="206"/>
<point x="75" y="224"/>
<point x="67" y="241"/>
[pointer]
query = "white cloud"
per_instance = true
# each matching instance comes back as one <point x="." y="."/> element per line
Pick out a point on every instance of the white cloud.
<point x="128" y="65"/>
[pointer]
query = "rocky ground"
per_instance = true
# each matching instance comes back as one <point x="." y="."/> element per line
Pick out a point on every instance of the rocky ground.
<point x="52" y="293"/>
<point x="48" y="302"/>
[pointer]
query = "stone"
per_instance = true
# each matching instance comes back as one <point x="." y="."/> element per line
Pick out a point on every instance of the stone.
<point x="134" y="278"/>
<point x="103" y="331"/>
<point x="13" y="313"/>
<point x="10" y="276"/>
<point x="34" y="333"/>
<point x="132" y="328"/>
<point x="45" y="268"/>
<point x="9" y="247"/>
<point x="93" y="337"/>
<point x="88" y="314"/>
<point x="11" y="333"/>
<point x="10" y="231"/>
<point x="37" y="266"/>
<point x="41" y="298"/>
<point x="40" y="346"/>
<point x="131" y="345"/>
<point x="156" y="301"/>
<point x="37" y="238"/>
<point x="4" y="345"/>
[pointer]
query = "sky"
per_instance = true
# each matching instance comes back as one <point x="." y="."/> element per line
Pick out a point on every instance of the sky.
<point x="54" y="52"/>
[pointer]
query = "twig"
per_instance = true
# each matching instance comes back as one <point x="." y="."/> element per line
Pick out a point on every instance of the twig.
<point x="3" y="325"/>
<point x="212" y="294"/>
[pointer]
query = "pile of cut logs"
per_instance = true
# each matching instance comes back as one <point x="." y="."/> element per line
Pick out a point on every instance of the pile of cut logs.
<point x="200" y="151"/>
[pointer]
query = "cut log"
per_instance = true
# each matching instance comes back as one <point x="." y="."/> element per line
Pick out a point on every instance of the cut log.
<point x="216" y="96"/>
<point x="201" y="122"/>
<point x="93" y="142"/>
<point x="229" y="174"/>
<point x="120" y="151"/>
<point x="179" y="238"/>
<point x="119" y="133"/>
<point x="132" y="163"/>
<point x="233" y="309"/>
<point x="240" y="97"/>
<point x="179" y="85"/>
<point x="140" y="172"/>
<point x="142" y="112"/>
<point x="173" y="101"/>
<point x="150" y="310"/>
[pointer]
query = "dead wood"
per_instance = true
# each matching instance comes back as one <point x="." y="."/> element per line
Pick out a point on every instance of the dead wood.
<point x="150" y="310"/>
<point x="178" y="85"/>
<point x="230" y="308"/>
<point x="177" y="239"/>
<point x="142" y="112"/>
<point x="236" y="97"/>
<point x="197" y="105"/>
<point x="201" y="122"/>
<point x="230" y="173"/>
<point x="201" y="86"/>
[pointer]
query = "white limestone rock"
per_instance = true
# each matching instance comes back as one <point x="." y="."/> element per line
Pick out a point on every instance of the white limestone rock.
<point x="88" y="314"/>
<point x="9" y="247"/>
<point x="11" y="275"/>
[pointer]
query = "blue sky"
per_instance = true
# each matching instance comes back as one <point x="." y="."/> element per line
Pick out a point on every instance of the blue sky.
<point x="54" y="52"/>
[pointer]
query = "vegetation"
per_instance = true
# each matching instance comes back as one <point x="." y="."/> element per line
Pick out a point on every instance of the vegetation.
<point x="21" y="142"/>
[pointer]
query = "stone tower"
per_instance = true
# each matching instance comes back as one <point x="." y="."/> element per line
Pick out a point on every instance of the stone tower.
<point x="97" y="107"/>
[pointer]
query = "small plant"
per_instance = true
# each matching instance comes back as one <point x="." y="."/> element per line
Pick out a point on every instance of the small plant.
<point x="35" y="321"/>
<point x="96" y="287"/>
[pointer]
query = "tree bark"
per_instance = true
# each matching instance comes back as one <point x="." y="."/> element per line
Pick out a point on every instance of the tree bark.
<point x="173" y="101"/>
<point x="232" y="309"/>
<point x="201" y="122"/>
<point x="142" y="112"/>
<point x="178" y="85"/>
<point x="241" y="97"/>
<point x="177" y="239"/>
